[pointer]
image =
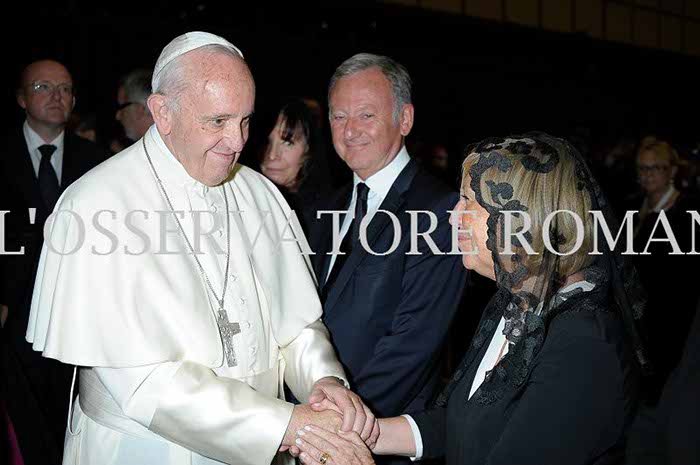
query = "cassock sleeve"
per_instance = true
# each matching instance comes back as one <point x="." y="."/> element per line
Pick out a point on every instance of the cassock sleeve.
<point x="404" y="359"/>
<point x="308" y="358"/>
<point x="190" y="405"/>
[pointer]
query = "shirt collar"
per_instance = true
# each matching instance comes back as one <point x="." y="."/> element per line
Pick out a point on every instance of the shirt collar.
<point x="34" y="140"/>
<point x="381" y="181"/>
<point x="168" y="167"/>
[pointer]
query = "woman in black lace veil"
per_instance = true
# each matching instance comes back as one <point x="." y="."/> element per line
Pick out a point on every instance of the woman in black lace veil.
<point x="551" y="374"/>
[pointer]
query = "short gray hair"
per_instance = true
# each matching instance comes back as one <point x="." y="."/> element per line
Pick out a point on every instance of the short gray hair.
<point x="172" y="80"/>
<point x="394" y="71"/>
<point x="137" y="86"/>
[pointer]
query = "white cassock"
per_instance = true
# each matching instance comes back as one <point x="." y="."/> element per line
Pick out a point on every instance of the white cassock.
<point x="131" y="305"/>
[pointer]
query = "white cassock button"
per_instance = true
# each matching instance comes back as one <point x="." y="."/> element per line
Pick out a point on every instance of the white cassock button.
<point x="242" y="301"/>
<point x="220" y="233"/>
<point x="214" y="209"/>
<point x="234" y="277"/>
<point x="247" y="324"/>
<point x="253" y="350"/>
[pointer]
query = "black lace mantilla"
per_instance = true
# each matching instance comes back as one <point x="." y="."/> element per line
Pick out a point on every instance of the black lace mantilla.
<point x="530" y="296"/>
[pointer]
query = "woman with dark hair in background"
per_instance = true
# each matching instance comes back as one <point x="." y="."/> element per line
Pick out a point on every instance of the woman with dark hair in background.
<point x="294" y="158"/>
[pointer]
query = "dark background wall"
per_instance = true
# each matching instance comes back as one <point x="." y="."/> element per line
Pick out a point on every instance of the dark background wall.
<point x="473" y="77"/>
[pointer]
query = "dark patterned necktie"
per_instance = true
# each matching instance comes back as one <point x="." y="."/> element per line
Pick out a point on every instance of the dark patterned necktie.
<point x="352" y="237"/>
<point x="48" y="181"/>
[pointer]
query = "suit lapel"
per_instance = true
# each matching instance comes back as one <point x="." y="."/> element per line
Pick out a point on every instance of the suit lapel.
<point x="71" y="169"/>
<point x="393" y="202"/>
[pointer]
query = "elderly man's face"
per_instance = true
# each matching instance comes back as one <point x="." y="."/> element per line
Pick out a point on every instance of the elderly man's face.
<point x="211" y="126"/>
<point x="47" y="94"/>
<point x="365" y="134"/>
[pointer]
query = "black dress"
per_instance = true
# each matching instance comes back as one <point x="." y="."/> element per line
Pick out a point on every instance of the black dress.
<point x="669" y="434"/>
<point x="672" y="290"/>
<point x="572" y="404"/>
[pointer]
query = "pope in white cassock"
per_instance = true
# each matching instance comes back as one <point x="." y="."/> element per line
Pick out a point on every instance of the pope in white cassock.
<point x="184" y="353"/>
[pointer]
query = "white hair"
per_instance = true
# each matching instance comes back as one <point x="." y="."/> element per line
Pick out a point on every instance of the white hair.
<point x="396" y="74"/>
<point x="137" y="86"/>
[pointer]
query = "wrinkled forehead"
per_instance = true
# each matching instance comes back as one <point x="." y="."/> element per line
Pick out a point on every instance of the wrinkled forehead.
<point x="221" y="81"/>
<point x="207" y="69"/>
<point x="368" y="87"/>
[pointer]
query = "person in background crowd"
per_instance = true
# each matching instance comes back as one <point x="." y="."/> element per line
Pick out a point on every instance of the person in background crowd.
<point x="87" y="127"/>
<point x="436" y="160"/>
<point x="132" y="112"/>
<point x="294" y="158"/>
<point x="673" y="293"/>
<point x="41" y="159"/>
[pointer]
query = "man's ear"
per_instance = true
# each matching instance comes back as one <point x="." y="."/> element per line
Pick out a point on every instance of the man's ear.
<point x="161" y="112"/>
<point x="20" y="100"/>
<point x="406" y="121"/>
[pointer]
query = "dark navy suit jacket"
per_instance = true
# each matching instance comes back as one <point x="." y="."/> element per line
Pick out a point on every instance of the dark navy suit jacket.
<point x="388" y="315"/>
<point x="36" y="389"/>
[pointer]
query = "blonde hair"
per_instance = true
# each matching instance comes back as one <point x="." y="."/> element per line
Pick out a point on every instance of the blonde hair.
<point x="663" y="150"/>
<point x="542" y="194"/>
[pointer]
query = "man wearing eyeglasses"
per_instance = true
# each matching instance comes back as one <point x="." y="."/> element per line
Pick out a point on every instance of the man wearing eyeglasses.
<point x="132" y="111"/>
<point x="39" y="161"/>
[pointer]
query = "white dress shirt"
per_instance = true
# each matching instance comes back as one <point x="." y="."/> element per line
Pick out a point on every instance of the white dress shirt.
<point x="34" y="141"/>
<point x="379" y="184"/>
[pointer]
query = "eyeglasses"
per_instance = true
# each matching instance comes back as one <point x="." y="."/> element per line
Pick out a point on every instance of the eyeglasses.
<point x="47" y="88"/>
<point x="649" y="169"/>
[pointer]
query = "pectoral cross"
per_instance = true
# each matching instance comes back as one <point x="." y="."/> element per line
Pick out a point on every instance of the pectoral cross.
<point x="227" y="331"/>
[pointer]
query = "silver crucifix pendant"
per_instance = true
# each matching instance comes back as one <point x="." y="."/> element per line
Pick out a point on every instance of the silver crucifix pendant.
<point x="227" y="331"/>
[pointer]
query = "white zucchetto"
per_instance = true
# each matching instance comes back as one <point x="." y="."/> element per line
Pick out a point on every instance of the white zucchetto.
<point x="186" y="43"/>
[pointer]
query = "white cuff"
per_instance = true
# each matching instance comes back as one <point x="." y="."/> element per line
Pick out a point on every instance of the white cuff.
<point x="417" y="439"/>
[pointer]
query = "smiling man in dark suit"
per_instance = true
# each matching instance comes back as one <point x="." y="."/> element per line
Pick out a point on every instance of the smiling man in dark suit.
<point x="39" y="161"/>
<point x="388" y="314"/>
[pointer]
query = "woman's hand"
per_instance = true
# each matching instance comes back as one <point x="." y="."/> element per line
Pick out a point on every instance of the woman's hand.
<point x="321" y="447"/>
<point x="370" y="432"/>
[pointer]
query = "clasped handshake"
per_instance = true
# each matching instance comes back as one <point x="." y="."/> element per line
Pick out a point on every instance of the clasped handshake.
<point x="334" y="413"/>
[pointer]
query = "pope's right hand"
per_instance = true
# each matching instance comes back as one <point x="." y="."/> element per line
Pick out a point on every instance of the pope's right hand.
<point x="302" y="416"/>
